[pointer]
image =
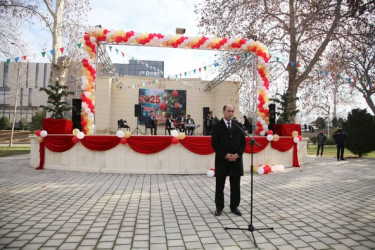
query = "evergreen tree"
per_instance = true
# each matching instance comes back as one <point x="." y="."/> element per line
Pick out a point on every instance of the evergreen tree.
<point x="320" y="123"/>
<point x="287" y="112"/>
<point x="359" y="128"/>
<point x="55" y="104"/>
<point x="335" y="122"/>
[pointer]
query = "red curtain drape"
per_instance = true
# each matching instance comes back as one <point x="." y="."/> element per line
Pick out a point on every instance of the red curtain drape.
<point x="283" y="144"/>
<point x="198" y="145"/>
<point x="100" y="143"/>
<point x="262" y="142"/>
<point x="154" y="144"/>
<point x="149" y="144"/>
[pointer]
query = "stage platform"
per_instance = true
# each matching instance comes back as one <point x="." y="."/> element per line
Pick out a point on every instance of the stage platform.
<point x="152" y="154"/>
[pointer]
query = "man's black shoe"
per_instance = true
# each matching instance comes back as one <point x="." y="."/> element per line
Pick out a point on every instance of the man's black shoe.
<point x="237" y="212"/>
<point x="343" y="159"/>
<point x="218" y="212"/>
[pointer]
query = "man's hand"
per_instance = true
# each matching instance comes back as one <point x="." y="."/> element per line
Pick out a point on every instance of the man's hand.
<point x="231" y="157"/>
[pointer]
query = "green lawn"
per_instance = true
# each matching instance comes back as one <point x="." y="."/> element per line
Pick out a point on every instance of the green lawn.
<point x="15" y="150"/>
<point x="330" y="151"/>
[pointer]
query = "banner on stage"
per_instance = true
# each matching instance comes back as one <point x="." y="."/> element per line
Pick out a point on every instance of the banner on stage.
<point x="163" y="102"/>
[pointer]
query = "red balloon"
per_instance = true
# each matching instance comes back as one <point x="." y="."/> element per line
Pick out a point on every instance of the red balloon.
<point x="300" y="138"/>
<point x="267" y="169"/>
<point x="174" y="140"/>
<point x="123" y="141"/>
<point x="37" y="133"/>
<point x="269" y="132"/>
<point x="163" y="106"/>
<point x="174" y="93"/>
<point x="75" y="139"/>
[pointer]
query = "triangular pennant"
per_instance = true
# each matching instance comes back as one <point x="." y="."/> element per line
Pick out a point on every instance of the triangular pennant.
<point x="326" y="74"/>
<point x="79" y="45"/>
<point x="62" y="50"/>
<point x="320" y="72"/>
<point x="52" y="51"/>
<point x="231" y="59"/>
<point x="110" y="48"/>
<point x="245" y="55"/>
<point x="16" y="59"/>
<point x="200" y="69"/>
<point x="195" y="71"/>
<point x="332" y="75"/>
<point x="117" y="51"/>
<point x="43" y="53"/>
<point x="298" y="65"/>
<point x="24" y="58"/>
<point x="238" y="57"/>
<point x="277" y="59"/>
<point x="8" y="60"/>
<point x="123" y="54"/>
<point x="185" y="73"/>
<point x="205" y="67"/>
<point x="292" y="64"/>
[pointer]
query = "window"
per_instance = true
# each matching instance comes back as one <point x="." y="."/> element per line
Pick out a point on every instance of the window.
<point x="45" y="76"/>
<point x="30" y="97"/>
<point x="5" y="77"/>
<point x="36" y="75"/>
<point x="21" y="97"/>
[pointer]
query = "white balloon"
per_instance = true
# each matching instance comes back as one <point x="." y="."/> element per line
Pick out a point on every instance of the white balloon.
<point x="262" y="133"/>
<point x="43" y="133"/>
<point x="260" y="170"/>
<point x="269" y="137"/>
<point x="120" y="133"/>
<point x="174" y="133"/>
<point x="263" y="122"/>
<point x="91" y="116"/>
<point x="295" y="139"/>
<point x="87" y="94"/>
<point x="80" y="135"/>
<point x="210" y="173"/>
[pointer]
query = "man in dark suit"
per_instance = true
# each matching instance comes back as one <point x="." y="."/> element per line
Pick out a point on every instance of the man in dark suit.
<point x="229" y="144"/>
<point x="152" y="123"/>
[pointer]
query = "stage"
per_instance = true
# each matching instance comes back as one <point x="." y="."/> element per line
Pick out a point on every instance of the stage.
<point x="152" y="154"/>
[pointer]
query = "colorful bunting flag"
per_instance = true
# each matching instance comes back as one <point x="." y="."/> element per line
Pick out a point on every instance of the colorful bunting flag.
<point x="62" y="50"/>
<point x="43" y="53"/>
<point x="79" y="45"/>
<point x="52" y="51"/>
<point x="8" y="60"/>
<point x="16" y="59"/>
<point x="24" y="58"/>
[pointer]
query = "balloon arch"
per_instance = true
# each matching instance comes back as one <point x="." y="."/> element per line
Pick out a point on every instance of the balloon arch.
<point x="94" y="36"/>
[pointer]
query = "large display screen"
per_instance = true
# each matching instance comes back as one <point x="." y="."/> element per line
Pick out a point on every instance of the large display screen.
<point x="163" y="102"/>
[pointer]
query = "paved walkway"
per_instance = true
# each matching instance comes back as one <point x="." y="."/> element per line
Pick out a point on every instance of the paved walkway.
<point x="326" y="204"/>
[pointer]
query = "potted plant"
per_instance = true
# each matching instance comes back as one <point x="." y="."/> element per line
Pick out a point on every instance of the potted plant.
<point x="56" y="106"/>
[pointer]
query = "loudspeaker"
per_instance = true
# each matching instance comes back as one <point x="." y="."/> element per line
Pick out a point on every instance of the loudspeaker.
<point x="272" y="110"/>
<point x="206" y="110"/>
<point x="76" y="113"/>
<point x="137" y="110"/>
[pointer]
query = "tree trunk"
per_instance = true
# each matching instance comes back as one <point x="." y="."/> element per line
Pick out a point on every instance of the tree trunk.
<point x="370" y="103"/>
<point x="56" y="42"/>
<point x="15" y="105"/>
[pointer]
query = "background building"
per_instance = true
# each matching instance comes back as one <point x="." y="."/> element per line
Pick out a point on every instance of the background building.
<point x="23" y="79"/>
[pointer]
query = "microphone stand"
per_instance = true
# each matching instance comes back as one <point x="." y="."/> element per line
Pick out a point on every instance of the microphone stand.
<point x="250" y="227"/>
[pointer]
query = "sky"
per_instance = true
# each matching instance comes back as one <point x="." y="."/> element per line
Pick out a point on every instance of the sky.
<point x="153" y="16"/>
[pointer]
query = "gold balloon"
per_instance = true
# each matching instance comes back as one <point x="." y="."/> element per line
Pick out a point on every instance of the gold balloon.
<point x="40" y="139"/>
<point x="276" y="137"/>
<point x="181" y="136"/>
<point x="75" y="131"/>
<point x="255" y="170"/>
<point x="127" y="134"/>
<point x="294" y="133"/>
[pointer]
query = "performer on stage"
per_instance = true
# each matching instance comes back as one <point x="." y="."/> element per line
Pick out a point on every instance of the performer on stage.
<point x="181" y="123"/>
<point x="189" y="121"/>
<point x="208" y="122"/>
<point x="170" y="124"/>
<point x="152" y="122"/>
<point x="229" y="144"/>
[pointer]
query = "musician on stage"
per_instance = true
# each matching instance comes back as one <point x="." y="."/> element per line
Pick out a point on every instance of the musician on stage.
<point x="181" y="123"/>
<point x="170" y="124"/>
<point x="152" y="123"/>
<point x="190" y="125"/>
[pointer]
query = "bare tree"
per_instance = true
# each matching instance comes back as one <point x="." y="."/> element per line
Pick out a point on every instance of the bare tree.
<point x="62" y="18"/>
<point x="298" y="30"/>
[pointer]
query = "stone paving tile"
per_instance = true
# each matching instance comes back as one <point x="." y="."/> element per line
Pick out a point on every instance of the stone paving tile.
<point x="323" y="205"/>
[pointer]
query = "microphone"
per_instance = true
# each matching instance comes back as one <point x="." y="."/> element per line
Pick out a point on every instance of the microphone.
<point x="246" y="134"/>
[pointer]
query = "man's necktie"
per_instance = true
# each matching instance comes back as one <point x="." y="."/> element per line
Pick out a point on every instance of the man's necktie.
<point x="229" y="128"/>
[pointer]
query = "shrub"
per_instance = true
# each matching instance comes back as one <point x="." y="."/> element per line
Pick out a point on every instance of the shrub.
<point x="22" y="124"/>
<point x="37" y="120"/>
<point x="313" y="139"/>
<point x="360" y="132"/>
<point x="4" y="122"/>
